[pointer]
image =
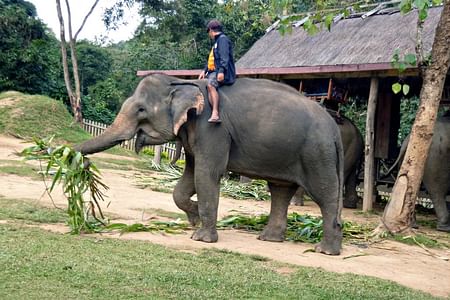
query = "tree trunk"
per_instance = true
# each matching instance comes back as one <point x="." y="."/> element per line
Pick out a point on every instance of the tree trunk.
<point x="75" y="98"/>
<point x="398" y="214"/>
<point x="62" y="36"/>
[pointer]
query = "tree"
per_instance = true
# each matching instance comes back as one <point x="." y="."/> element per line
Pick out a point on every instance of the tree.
<point x="29" y="60"/>
<point x="94" y="64"/>
<point x="74" y="97"/>
<point x="398" y="214"/>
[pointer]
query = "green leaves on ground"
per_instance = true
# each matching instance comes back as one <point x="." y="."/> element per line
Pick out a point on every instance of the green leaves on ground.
<point x="257" y="189"/>
<point x="173" y="227"/>
<point x="78" y="176"/>
<point x="300" y="228"/>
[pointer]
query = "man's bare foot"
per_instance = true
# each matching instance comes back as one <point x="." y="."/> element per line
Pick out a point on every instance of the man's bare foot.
<point x="214" y="120"/>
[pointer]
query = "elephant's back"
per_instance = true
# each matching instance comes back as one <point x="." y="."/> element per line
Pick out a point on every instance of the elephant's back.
<point x="268" y="96"/>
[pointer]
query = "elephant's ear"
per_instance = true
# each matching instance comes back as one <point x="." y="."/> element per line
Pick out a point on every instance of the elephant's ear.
<point x="183" y="98"/>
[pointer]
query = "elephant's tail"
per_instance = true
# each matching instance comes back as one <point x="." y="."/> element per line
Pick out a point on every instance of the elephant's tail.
<point x="341" y="179"/>
<point x="400" y="157"/>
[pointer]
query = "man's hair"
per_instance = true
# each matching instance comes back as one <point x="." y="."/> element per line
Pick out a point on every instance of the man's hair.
<point x="214" y="25"/>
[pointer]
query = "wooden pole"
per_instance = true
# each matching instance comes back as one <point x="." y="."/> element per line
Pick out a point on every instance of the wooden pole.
<point x="157" y="155"/>
<point x="369" y="146"/>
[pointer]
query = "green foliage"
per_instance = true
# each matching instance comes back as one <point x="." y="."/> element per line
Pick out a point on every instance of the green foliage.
<point x="422" y="5"/>
<point x="356" y="111"/>
<point x="300" y="228"/>
<point x="172" y="227"/>
<point x="103" y="102"/>
<point x="94" y="64"/>
<point x="408" y="110"/>
<point x="77" y="176"/>
<point x="256" y="189"/>
<point x="29" y="53"/>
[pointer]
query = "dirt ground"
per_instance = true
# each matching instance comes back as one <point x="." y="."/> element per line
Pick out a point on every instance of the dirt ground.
<point x="412" y="266"/>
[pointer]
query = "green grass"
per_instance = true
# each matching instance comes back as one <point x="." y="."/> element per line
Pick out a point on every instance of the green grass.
<point x="122" y="164"/>
<point x="20" y="168"/>
<point x="38" y="116"/>
<point x="40" y="265"/>
<point x="421" y="239"/>
<point x="15" y="209"/>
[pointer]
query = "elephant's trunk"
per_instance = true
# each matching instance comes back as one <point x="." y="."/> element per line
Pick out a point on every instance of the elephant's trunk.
<point x="118" y="132"/>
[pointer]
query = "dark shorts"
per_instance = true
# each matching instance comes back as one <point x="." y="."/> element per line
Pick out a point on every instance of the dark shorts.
<point x="212" y="79"/>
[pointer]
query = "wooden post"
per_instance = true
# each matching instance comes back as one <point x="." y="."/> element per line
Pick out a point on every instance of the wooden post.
<point x="157" y="157"/>
<point x="369" y="146"/>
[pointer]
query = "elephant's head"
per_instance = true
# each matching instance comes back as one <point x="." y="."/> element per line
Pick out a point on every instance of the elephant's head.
<point x="155" y="112"/>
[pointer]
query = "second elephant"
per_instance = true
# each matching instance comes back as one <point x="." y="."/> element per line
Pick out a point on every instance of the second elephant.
<point x="353" y="151"/>
<point x="436" y="176"/>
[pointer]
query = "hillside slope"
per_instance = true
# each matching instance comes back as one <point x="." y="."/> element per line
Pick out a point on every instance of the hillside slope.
<point x="29" y="116"/>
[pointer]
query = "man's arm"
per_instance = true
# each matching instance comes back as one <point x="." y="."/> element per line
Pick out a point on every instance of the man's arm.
<point x="223" y="45"/>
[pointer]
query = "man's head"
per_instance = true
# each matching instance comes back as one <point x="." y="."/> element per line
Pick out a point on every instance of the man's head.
<point x="213" y="28"/>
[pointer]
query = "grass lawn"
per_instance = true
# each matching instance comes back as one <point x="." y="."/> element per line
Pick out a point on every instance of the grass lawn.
<point x="37" y="264"/>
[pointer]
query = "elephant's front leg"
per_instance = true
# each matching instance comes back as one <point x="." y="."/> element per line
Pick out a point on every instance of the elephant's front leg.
<point x="184" y="190"/>
<point x="207" y="183"/>
<point x="280" y="197"/>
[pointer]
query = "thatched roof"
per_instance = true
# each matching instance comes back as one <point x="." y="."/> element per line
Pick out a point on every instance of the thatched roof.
<point x="353" y="41"/>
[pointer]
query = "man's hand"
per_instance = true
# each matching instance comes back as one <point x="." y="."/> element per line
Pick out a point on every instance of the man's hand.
<point x="202" y="75"/>
<point x="220" y="77"/>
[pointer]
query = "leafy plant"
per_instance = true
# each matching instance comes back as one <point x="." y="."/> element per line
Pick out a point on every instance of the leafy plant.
<point x="78" y="176"/>
<point x="257" y="189"/>
<point x="408" y="110"/>
<point x="173" y="227"/>
<point x="300" y="228"/>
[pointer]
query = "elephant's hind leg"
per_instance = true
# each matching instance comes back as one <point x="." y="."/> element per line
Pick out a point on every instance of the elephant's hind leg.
<point x="184" y="190"/>
<point x="325" y="192"/>
<point x="276" y="228"/>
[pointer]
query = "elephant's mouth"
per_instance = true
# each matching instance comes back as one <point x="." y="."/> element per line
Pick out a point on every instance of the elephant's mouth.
<point x="146" y="139"/>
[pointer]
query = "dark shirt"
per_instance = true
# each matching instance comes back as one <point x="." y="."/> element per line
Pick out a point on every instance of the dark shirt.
<point x="223" y="58"/>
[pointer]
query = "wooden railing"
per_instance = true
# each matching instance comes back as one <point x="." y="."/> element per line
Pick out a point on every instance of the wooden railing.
<point x="96" y="129"/>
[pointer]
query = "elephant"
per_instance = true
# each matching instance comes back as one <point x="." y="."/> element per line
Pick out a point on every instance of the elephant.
<point x="268" y="131"/>
<point x="436" y="176"/>
<point x="352" y="142"/>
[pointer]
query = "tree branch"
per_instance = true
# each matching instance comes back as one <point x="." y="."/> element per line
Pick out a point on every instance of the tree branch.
<point x="85" y="18"/>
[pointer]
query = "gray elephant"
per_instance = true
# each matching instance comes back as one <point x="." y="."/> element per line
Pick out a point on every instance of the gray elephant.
<point x="268" y="131"/>
<point x="436" y="177"/>
<point x="353" y="151"/>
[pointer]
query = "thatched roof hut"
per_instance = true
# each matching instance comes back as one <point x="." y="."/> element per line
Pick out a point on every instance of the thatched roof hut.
<point x="353" y="44"/>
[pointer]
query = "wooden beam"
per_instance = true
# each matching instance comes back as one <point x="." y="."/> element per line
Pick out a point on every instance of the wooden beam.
<point x="369" y="146"/>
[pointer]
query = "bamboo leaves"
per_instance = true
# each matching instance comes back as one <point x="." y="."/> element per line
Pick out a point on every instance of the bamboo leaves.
<point x="77" y="176"/>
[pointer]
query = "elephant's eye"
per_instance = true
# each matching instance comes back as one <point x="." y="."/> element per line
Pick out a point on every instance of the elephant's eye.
<point x="141" y="109"/>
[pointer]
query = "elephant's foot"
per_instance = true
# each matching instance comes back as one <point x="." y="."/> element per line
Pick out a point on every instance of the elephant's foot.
<point x="333" y="248"/>
<point x="271" y="235"/>
<point x="205" y="235"/>
<point x="443" y="227"/>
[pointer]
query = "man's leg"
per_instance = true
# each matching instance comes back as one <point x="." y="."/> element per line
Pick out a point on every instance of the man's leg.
<point x="213" y="97"/>
<point x="214" y="101"/>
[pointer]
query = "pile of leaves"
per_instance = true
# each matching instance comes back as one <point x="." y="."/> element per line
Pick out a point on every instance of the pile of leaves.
<point x="300" y="228"/>
<point x="257" y="189"/>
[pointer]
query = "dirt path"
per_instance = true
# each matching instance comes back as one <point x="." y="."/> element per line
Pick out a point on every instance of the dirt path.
<point x="411" y="266"/>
